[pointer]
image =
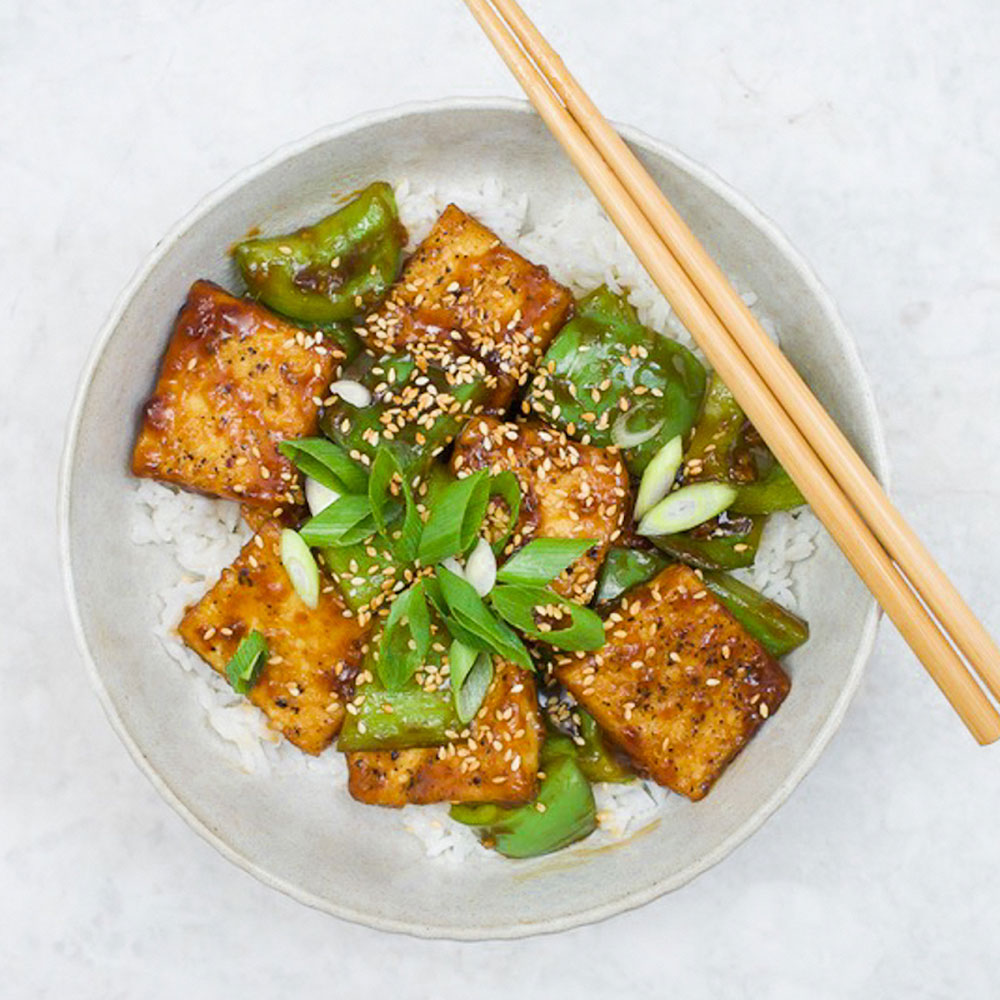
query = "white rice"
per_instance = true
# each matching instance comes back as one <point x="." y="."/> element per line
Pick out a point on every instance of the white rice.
<point x="582" y="249"/>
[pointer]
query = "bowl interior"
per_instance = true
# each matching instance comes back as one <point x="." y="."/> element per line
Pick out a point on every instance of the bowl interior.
<point x="355" y="861"/>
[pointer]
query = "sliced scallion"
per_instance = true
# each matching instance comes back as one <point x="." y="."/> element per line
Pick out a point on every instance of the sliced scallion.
<point x="687" y="508"/>
<point x="542" y="560"/>
<point x="405" y="638"/>
<point x="659" y="476"/>
<point x="385" y="505"/>
<point x="455" y="518"/>
<point x="625" y="437"/>
<point x="380" y="496"/>
<point x="301" y="567"/>
<point x="471" y="673"/>
<point x="521" y="606"/>
<point x="469" y="620"/>
<point x="505" y="485"/>
<point x="327" y="463"/>
<point x="481" y="568"/>
<point x="344" y="522"/>
<point x="318" y="496"/>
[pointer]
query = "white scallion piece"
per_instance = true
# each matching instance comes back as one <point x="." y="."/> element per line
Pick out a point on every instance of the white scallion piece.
<point x="451" y="563"/>
<point x="686" y="508"/>
<point x="625" y="438"/>
<point x="659" y="476"/>
<point x="351" y="392"/>
<point x="481" y="568"/>
<point x="300" y="566"/>
<point x="318" y="496"/>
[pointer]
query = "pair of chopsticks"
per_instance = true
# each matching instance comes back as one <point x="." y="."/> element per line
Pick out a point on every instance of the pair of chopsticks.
<point x="882" y="548"/>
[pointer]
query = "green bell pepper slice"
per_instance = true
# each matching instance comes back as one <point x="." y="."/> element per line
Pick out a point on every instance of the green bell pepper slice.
<point x="776" y="628"/>
<point x="397" y="385"/>
<point x="604" y="355"/>
<point x="563" y="813"/>
<point x="588" y="747"/>
<point x="399" y="720"/>
<point x="722" y="543"/>
<point x="362" y="570"/>
<point x="726" y="448"/>
<point x="624" y="569"/>
<point x="344" y="337"/>
<point x="411" y="716"/>
<point x="340" y="267"/>
<point x="773" y="492"/>
<point x="716" y="451"/>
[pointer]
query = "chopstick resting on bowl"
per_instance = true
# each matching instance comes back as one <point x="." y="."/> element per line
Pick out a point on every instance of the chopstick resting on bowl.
<point x="838" y="486"/>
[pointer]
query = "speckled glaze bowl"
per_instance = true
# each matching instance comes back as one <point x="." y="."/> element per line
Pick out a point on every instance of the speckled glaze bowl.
<point x="294" y="832"/>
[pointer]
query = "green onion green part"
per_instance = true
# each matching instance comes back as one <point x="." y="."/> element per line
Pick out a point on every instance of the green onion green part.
<point x="326" y="463"/>
<point x="455" y="519"/>
<point x="506" y="486"/>
<point x="470" y="621"/>
<point x="344" y="522"/>
<point x="405" y="638"/>
<point x="542" y="560"/>
<point x="519" y="605"/>
<point x="245" y="666"/>
<point x="470" y="673"/>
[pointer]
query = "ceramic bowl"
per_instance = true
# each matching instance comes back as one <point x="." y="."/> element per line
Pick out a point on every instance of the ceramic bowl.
<point x="293" y="831"/>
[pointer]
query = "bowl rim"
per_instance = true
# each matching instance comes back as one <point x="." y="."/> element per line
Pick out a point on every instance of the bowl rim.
<point x="619" y="903"/>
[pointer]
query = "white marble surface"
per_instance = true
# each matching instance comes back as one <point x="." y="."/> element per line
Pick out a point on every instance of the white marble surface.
<point x="868" y="129"/>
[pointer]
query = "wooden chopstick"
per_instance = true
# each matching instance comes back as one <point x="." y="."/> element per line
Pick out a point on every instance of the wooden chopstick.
<point x="826" y="438"/>
<point x="828" y="501"/>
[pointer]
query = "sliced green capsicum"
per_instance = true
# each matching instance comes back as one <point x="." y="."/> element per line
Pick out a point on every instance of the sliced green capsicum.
<point x="625" y="568"/>
<point x="774" y="491"/>
<point x="726" y="448"/>
<point x="397" y="720"/>
<point x="722" y="543"/>
<point x="776" y="628"/>
<point x="563" y="813"/>
<point x="422" y="713"/>
<point x="607" y="376"/>
<point x="343" y="335"/>
<point x="588" y="747"/>
<point x="337" y="268"/>
<point x="714" y="451"/>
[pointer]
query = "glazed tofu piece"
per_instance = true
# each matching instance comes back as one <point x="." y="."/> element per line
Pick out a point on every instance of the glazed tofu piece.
<point x="315" y="656"/>
<point x="288" y="516"/>
<point x="568" y="490"/>
<point x="464" y="288"/>
<point x="235" y="382"/>
<point x="679" y="685"/>
<point x="494" y="760"/>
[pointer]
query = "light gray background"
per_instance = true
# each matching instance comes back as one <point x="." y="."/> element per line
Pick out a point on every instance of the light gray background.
<point x="869" y="129"/>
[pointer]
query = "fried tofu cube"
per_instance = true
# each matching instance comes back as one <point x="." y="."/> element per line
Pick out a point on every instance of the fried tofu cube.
<point x="465" y="289"/>
<point x="568" y="490"/>
<point x="235" y="382"/>
<point x="494" y="760"/>
<point x="315" y="655"/>
<point x="679" y="685"/>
